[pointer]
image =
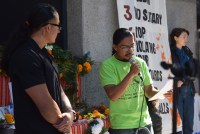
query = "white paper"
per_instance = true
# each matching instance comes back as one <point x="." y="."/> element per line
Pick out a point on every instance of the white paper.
<point x="160" y="95"/>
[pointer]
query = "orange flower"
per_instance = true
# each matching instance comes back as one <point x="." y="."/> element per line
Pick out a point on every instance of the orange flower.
<point x="96" y="113"/>
<point x="9" y="118"/>
<point x="61" y="75"/>
<point x="106" y="111"/>
<point x="80" y="68"/>
<point x="87" y="66"/>
<point x="49" y="51"/>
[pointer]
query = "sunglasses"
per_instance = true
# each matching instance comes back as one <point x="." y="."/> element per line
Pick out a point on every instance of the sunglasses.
<point x="59" y="26"/>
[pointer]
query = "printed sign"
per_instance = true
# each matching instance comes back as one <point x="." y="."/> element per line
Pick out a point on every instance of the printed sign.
<point x="148" y="20"/>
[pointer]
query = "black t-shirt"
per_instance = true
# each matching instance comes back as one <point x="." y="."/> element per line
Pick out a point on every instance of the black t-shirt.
<point x="30" y="66"/>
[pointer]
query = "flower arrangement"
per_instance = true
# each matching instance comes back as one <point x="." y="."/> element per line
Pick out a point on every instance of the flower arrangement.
<point x="70" y="67"/>
<point x="101" y="112"/>
<point x="67" y="63"/>
<point x="95" y="117"/>
<point x="7" y="120"/>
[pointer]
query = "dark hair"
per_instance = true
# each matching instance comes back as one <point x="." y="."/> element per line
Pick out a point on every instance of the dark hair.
<point x="176" y="32"/>
<point x="119" y="35"/>
<point x="38" y="17"/>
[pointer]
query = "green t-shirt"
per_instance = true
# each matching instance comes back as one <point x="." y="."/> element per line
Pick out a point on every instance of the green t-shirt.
<point x="125" y="112"/>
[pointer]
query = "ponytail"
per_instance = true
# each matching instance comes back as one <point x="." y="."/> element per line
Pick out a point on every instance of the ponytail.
<point x="19" y="37"/>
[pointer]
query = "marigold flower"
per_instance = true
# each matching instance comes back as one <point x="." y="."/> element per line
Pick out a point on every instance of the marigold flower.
<point x="9" y="118"/>
<point x="80" y="68"/>
<point x="106" y="111"/>
<point x="49" y="51"/>
<point x="87" y="66"/>
<point x="61" y="75"/>
<point x="96" y="113"/>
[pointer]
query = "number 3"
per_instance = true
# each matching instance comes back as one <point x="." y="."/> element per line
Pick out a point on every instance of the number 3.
<point x="128" y="15"/>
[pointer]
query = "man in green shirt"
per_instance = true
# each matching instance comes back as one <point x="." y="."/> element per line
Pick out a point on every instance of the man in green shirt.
<point x="127" y="81"/>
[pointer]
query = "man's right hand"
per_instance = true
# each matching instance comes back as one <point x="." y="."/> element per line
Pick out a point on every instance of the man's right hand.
<point x="65" y="124"/>
<point x="135" y="68"/>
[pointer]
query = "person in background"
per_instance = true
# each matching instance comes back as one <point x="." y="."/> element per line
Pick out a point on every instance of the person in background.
<point x="126" y="84"/>
<point x="183" y="58"/>
<point x="40" y="104"/>
<point x="155" y="116"/>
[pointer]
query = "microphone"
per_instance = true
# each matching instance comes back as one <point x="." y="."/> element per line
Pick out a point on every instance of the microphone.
<point x="131" y="60"/>
<point x="139" y="74"/>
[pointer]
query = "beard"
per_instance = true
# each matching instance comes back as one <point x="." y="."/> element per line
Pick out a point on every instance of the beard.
<point x="125" y="59"/>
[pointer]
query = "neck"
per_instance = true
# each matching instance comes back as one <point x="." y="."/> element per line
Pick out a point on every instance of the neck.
<point x="179" y="46"/>
<point x="39" y="39"/>
<point x="124" y="60"/>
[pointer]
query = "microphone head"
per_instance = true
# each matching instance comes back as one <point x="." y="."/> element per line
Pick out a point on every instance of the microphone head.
<point x="139" y="74"/>
<point x="131" y="60"/>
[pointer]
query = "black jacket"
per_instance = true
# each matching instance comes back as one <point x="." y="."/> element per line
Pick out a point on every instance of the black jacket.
<point x="190" y="67"/>
<point x="189" y="71"/>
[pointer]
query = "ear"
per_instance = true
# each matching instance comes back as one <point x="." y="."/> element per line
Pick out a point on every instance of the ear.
<point x="114" y="47"/>
<point x="175" y="38"/>
<point x="47" y="28"/>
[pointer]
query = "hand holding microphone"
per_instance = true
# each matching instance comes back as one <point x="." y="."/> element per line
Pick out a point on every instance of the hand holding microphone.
<point x="135" y="67"/>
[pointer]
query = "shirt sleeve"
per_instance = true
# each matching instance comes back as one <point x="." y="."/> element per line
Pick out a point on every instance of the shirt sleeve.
<point x="29" y="70"/>
<point x="107" y="75"/>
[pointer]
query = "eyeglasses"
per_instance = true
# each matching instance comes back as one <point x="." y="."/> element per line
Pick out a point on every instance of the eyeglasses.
<point x="59" y="26"/>
<point x="126" y="48"/>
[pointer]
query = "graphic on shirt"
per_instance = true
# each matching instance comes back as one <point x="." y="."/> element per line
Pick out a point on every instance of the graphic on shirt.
<point x="134" y="90"/>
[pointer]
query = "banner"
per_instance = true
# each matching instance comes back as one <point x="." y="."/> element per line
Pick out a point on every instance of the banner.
<point x="196" y="127"/>
<point x="148" y="20"/>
